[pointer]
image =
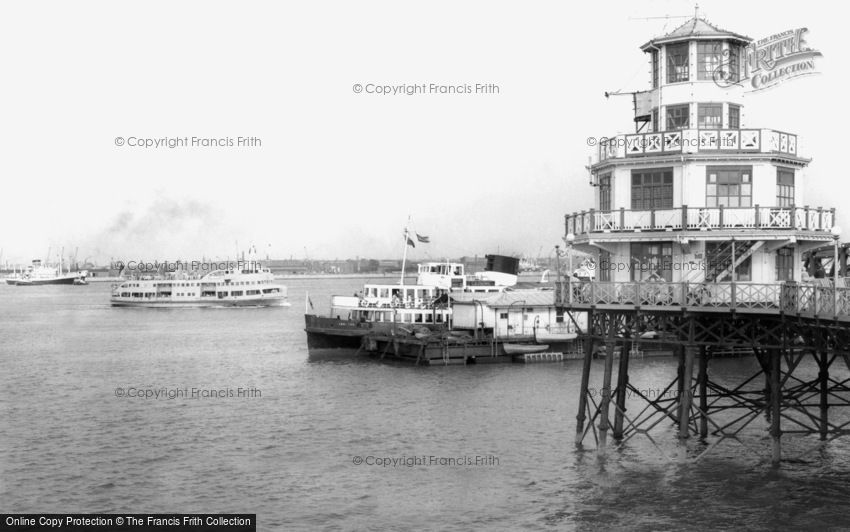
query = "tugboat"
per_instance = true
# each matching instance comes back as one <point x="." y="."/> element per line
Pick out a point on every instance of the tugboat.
<point x="246" y="285"/>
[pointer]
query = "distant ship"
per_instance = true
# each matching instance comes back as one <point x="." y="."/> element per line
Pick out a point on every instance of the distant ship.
<point x="248" y="285"/>
<point x="38" y="274"/>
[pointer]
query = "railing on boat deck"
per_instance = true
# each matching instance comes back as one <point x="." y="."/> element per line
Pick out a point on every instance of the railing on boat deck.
<point x="686" y="218"/>
<point x="805" y="299"/>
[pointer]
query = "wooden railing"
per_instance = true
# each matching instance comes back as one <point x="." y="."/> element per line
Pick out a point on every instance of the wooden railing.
<point x="697" y="141"/>
<point x="805" y="299"/>
<point x="700" y="219"/>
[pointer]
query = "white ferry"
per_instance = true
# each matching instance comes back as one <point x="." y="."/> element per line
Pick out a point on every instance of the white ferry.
<point x="381" y="306"/>
<point x="38" y="275"/>
<point x="249" y="285"/>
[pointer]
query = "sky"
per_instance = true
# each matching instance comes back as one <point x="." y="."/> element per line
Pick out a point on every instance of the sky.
<point x="338" y="173"/>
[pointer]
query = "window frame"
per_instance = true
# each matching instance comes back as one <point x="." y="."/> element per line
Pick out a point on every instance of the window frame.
<point x="702" y="56"/>
<point x="718" y="107"/>
<point x="670" y="116"/>
<point x="714" y="182"/>
<point x="654" y="193"/>
<point x="737" y="109"/>
<point x="785" y="192"/>
<point x="683" y="73"/>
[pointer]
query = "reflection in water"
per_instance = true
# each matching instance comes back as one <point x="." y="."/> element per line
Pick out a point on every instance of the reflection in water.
<point x="67" y="441"/>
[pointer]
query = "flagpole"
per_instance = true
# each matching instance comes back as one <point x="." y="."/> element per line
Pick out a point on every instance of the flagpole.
<point x="404" y="255"/>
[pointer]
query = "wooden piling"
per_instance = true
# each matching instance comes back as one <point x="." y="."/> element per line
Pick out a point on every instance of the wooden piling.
<point x="775" y="403"/>
<point x="604" y="424"/>
<point x="585" y="379"/>
<point x="703" y="392"/>
<point x="622" y="384"/>
<point x="823" y="379"/>
<point x="686" y="398"/>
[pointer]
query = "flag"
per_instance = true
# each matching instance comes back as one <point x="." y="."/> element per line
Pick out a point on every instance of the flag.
<point x="423" y="239"/>
<point x="310" y="301"/>
<point x="410" y="242"/>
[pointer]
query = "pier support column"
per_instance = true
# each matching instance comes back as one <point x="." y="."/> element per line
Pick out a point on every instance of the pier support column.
<point x="680" y="372"/>
<point x="823" y="380"/>
<point x="775" y="403"/>
<point x="686" y="397"/>
<point x="585" y="379"/>
<point x="702" y="378"/>
<point x="606" y="393"/>
<point x="622" y="384"/>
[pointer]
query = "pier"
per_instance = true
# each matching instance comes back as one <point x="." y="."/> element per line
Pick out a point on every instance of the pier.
<point x="704" y="242"/>
<point x="780" y="324"/>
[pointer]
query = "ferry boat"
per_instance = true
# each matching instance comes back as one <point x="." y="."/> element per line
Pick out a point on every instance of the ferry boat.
<point x="38" y="274"/>
<point x="448" y="318"/>
<point x="381" y="307"/>
<point x="247" y="285"/>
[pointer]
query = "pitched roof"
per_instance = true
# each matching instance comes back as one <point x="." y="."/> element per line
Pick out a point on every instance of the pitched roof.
<point x="696" y="28"/>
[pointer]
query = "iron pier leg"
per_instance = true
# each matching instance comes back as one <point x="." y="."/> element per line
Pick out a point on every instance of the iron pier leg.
<point x="622" y="384"/>
<point x="606" y="392"/>
<point x="775" y="403"/>
<point x="680" y="381"/>
<point x="823" y="378"/>
<point x="703" y="388"/>
<point x="686" y="397"/>
<point x="585" y="379"/>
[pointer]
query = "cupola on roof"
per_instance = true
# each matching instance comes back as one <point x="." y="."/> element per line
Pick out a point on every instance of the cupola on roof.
<point x="696" y="28"/>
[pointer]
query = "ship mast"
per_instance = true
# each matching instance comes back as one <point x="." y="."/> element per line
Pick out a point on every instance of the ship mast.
<point x="404" y="255"/>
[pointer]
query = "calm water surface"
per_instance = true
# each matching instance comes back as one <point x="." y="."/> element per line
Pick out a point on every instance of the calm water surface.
<point x="69" y="443"/>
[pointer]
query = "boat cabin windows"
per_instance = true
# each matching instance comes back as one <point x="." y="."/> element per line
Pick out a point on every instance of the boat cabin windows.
<point x="236" y="293"/>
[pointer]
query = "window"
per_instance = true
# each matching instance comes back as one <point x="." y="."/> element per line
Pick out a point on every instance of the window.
<point x="652" y="261"/>
<point x="708" y="59"/>
<point x="656" y="127"/>
<point x="710" y="115"/>
<point x="605" y="192"/>
<point x="604" y="268"/>
<point x="655" y="72"/>
<point x="503" y="315"/>
<point x="785" y="264"/>
<point x="734" y="117"/>
<point x="678" y="117"/>
<point x="729" y="186"/>
<point x="677" y="63"/>
<point x="734" y="62"/>
<point x="652" y="189"/>
<point x="784" y="187"/>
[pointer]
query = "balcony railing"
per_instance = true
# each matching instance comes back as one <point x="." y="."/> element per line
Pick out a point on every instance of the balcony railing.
<point x="806" y="299"/>
<point x="701" y="219"/>
<point x="697" y="141"/>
